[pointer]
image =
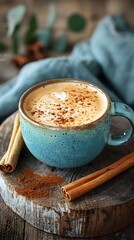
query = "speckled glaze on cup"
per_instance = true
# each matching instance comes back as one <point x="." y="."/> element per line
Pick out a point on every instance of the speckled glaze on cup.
<point x="73" y="146"/>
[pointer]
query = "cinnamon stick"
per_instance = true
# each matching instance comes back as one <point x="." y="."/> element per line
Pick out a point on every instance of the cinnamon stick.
<point x="9" y="161"/>
<point x="2" y="161"/>
<point x="83" y="185"/>
<point x="14" y="131"/>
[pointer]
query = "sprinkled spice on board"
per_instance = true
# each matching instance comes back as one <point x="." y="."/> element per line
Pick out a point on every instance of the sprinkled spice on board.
<point x="33" y="185"/>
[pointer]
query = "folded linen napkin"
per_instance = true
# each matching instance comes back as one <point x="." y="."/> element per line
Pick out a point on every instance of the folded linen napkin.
<point x="107" y="59"/>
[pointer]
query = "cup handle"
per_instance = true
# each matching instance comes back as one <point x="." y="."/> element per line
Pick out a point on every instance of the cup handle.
<point x="121" y="109"/>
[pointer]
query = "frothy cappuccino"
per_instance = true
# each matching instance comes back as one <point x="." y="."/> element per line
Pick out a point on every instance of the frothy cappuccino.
<point x="65" y="104"/>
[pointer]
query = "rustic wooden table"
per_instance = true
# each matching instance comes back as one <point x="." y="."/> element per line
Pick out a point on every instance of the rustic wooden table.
<point x="12" y="227"/>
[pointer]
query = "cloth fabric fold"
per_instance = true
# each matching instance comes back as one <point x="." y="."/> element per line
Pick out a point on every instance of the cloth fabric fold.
<point x="106" y="59"/>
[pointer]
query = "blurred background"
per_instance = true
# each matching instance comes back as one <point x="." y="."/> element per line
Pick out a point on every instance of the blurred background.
<point x="58" y="25"/>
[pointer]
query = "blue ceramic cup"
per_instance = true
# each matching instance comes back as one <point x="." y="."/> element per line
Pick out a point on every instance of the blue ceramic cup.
<point x="73" y="146"/>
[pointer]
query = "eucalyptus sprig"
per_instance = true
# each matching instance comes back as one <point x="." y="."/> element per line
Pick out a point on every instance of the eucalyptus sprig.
<point x="74" y="22"/>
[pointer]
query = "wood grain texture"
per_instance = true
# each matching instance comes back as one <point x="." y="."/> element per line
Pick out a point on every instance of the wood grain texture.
<point x="106" y="209"/>
<point x="15" y="228"/>
<point x="11" y="225"/>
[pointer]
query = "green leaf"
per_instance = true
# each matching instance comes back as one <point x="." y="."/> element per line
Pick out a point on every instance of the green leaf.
<point x="76" y="22"/>
<point x="44" y="36"/>
<point x="52" y="15"/>
<point x="15" y="43"/>
<point x="3" y="47"/>
<point x="30" y="35"/>
<point x="33" y="23"/>
<point x="14" y="17"/>
<point x="60" y="44"/>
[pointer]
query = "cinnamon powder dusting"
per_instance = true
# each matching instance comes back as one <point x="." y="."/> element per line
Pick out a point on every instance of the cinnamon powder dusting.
<point x="65" y="104"/>
<point x="33" y="185"/>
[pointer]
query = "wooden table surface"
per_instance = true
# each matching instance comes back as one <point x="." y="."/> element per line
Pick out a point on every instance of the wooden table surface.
<point x="12" y="227"/>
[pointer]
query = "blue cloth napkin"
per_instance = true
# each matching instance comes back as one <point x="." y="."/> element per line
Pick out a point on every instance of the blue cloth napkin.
<point x="107" y="59"/>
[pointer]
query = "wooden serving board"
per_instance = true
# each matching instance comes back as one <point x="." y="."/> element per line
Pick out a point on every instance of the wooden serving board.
<point x="107" y="209"/>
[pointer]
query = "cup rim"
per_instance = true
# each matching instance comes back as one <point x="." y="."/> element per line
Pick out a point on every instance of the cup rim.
<point x="40" y="125"/>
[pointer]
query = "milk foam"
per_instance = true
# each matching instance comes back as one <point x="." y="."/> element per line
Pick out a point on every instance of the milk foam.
<point x="65" y="104"/>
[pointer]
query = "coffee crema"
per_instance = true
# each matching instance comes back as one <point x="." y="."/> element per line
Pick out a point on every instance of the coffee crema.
<point x="65" y="104"/>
